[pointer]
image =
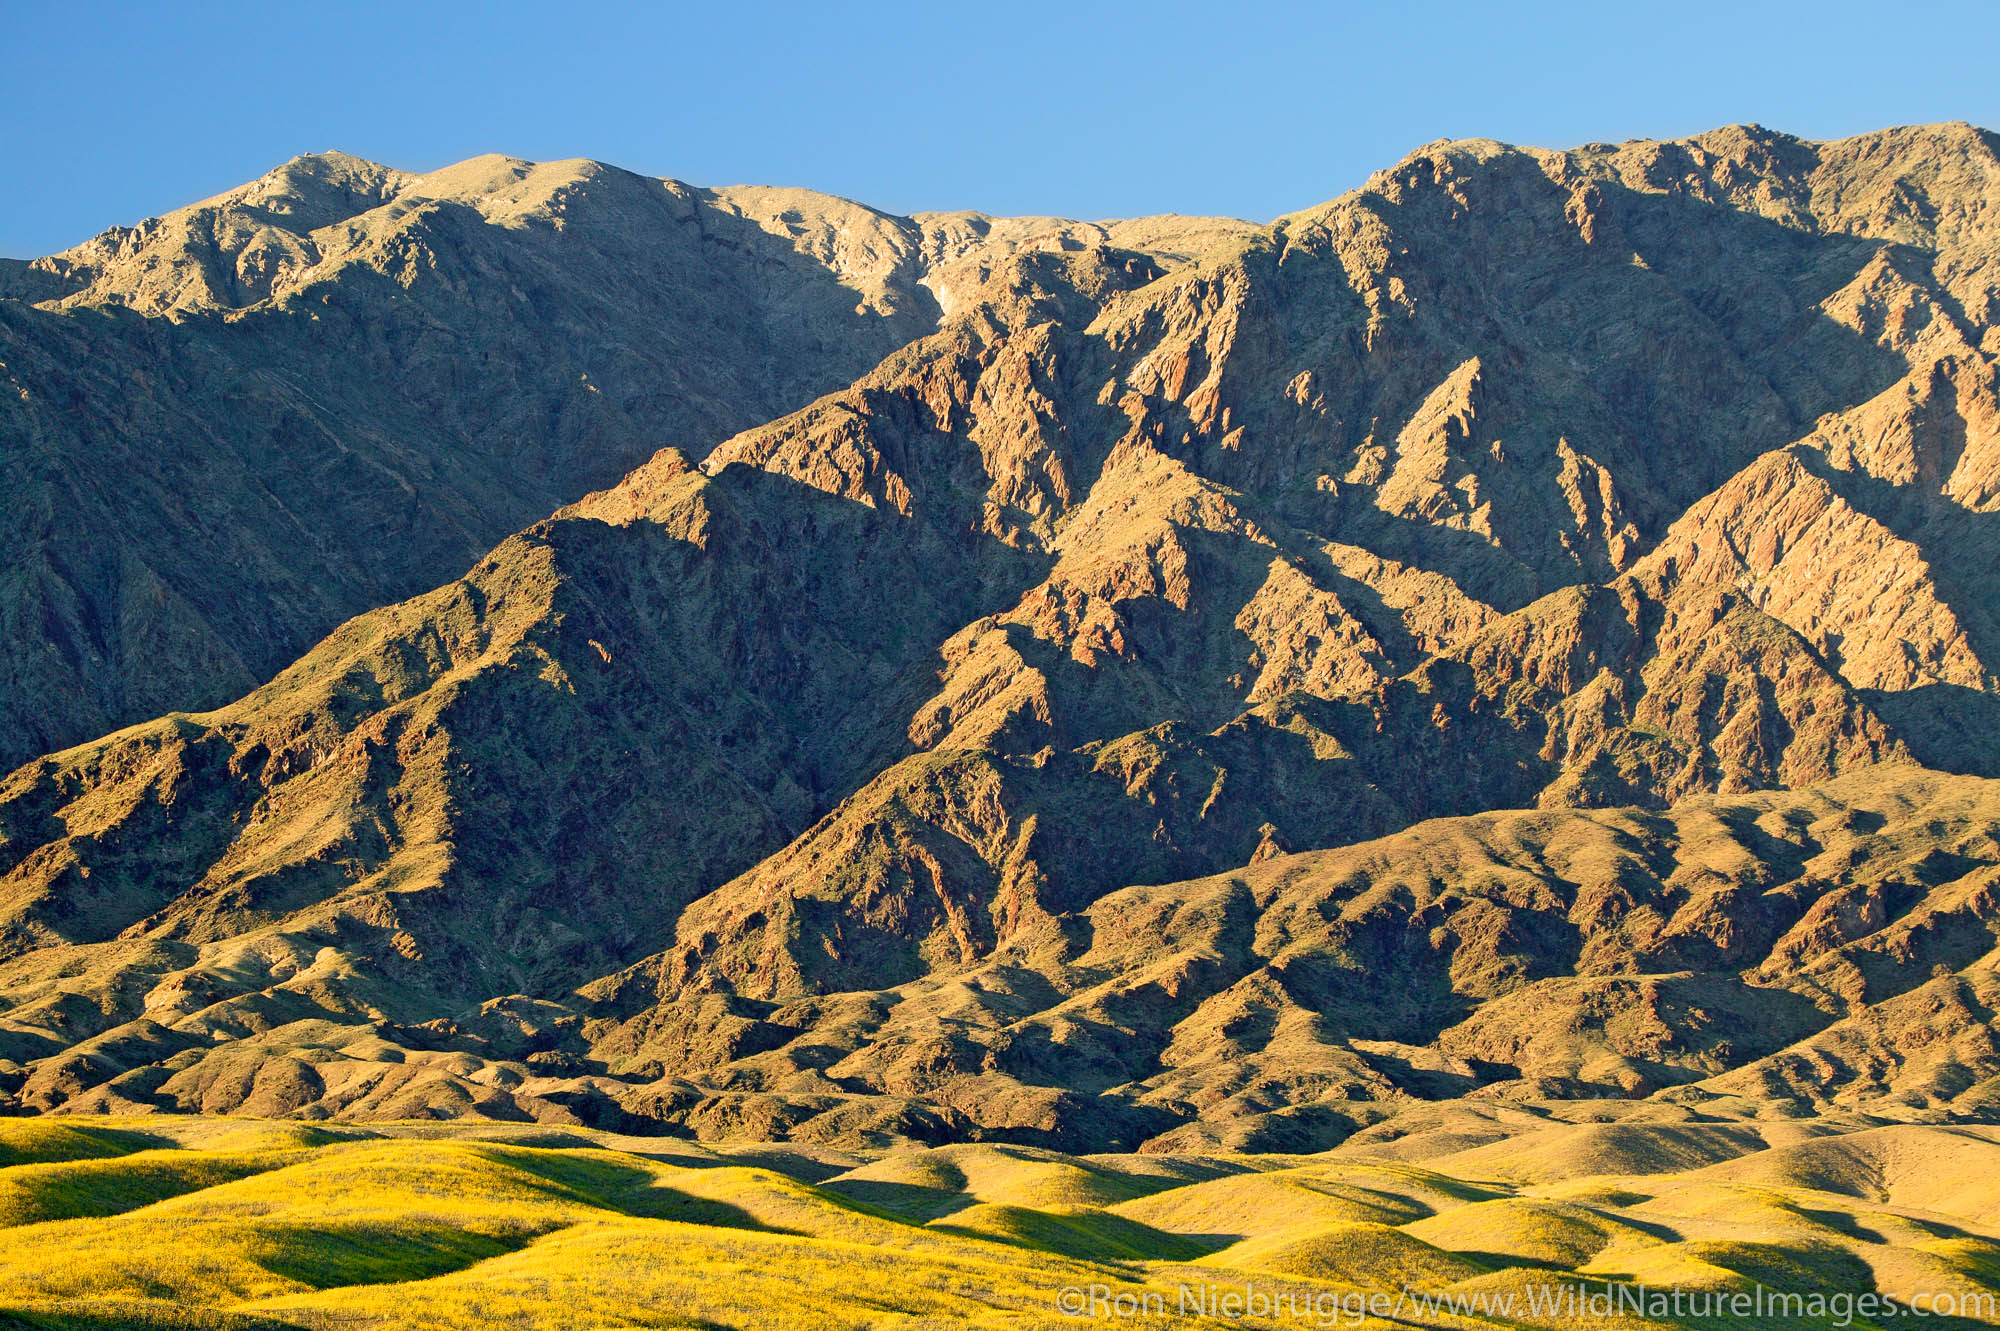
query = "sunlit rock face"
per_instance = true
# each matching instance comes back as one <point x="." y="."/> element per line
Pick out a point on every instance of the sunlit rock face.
<point x="1521" y="632"/>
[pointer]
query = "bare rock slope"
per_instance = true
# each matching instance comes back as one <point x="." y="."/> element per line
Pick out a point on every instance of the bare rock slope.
<point x="1035" y="738"/>
<point x="234" y="426"/>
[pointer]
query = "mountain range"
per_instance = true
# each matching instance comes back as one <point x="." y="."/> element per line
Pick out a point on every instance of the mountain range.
<point x="541" y="642"/>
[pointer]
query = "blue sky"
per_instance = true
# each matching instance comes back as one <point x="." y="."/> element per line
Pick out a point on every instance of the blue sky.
<point x="112" y="112"/>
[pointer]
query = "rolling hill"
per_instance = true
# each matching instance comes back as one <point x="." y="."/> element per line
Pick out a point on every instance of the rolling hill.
<point x="226" y="1223"/>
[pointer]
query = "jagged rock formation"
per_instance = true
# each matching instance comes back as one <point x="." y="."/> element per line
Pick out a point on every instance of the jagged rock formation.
<point x="232" y="427"/>
<point x="869" y="773"/>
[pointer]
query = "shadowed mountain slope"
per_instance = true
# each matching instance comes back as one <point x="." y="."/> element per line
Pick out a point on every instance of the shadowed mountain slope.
<point x="232" y="427"/>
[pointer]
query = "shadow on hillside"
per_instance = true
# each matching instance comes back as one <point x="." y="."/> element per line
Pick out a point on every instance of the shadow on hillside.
<point x="1947" y="727"/>
<point x="910" y="1201"/>
<point x="632" y="1190"/>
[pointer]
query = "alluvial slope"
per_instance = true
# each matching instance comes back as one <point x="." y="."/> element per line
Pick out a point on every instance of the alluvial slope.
<point x="869" y="779"/>
<point x="229" y="428"/>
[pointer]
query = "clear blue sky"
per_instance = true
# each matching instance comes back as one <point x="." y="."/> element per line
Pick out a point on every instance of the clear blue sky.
<point x="112" y="112"/>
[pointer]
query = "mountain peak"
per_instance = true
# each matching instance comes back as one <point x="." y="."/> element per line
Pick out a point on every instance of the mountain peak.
<point x="332" y="164"/>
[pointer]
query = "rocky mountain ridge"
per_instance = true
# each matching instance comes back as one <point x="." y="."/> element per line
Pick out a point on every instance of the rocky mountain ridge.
<point x="870" y="774"/>
<point x="236" y="425"/>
